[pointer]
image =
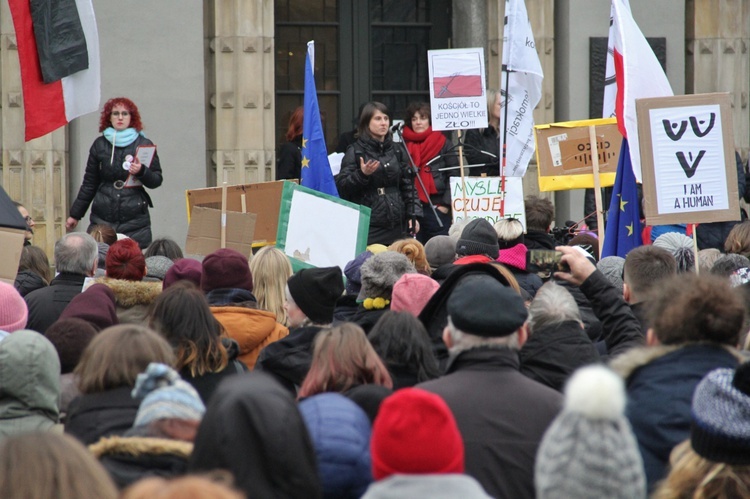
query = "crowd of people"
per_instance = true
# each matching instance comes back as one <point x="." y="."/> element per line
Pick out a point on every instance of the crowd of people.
<point x="444" y="369"/>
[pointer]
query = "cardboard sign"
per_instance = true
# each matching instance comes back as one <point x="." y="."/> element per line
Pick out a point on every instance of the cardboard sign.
<point x="483" y="198"/>
<point x="457" y="98"/>
<point x="262" y="198"/>
<point x="563" y="153"/>
<point x="204" y="231"/>
<point x="687" y="159"/>
<point x="11" y="245"/>
<point x="318" y="230"/>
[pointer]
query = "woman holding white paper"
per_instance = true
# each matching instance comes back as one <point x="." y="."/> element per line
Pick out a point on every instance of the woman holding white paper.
<point x="117" y="174"/>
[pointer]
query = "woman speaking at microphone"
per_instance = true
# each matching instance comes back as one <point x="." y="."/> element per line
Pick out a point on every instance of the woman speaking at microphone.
<point x="430" y="151"/>
<point x="115" y="179"/>
<point x="374" y="174"/>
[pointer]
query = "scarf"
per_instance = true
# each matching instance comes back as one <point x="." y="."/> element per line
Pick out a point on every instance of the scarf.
<point x="123" y="137"/>
<point x="423" y="147"/>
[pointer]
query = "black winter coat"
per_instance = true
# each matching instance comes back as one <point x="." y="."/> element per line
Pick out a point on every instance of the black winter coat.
<point x="28" y="281"/>
<point x="288" y="359"/>
<point x="124" y="209"/>
<point x="46" y="304"/>
<point x="389" y="192"/>
<point x="95" y="415"/>
<point x="488" y="141"/>
<point x="289" y="164"/>
<point x="552" y="353"/>
<point x="502" y="416"/>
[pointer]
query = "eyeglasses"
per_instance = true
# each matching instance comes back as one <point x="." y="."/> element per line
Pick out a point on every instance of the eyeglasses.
<point x="120" y="113"/>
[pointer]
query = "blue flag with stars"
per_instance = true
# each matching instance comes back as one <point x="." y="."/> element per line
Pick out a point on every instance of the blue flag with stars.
<point x="623" y="231"/>
<point x="316" y="171"/>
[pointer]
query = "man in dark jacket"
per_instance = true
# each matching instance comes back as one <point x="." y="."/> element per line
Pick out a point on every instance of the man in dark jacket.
<point x="645" y="267"/>
<point x="76" y="256"/>
<point x="539" y="215"/>
<point x="501" y="413"/>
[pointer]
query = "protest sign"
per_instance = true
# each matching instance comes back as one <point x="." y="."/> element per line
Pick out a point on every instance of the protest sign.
<point x="563" y="154"/>
<point x="483" y="198"/>
<point x="687" y="159"/>
<point x="319" y="230"/>
<point x="457" y="98"/>
<point x="262" y="198"/>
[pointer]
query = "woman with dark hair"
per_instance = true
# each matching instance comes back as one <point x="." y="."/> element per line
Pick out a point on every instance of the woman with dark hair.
<point x="204" y="356"/>
<point x="430" y="151"/>
<point x="115" y="178"/>
<point x="289" y="164"/>
<point x="343" y="359"/>
<point x="33" y="270"/>
<point x="164" y="246"/>
<point x="479" y="142"/>
<point x="402" y="342"/>
<point x="106" y="376"/>
<point x="374" y="174"/>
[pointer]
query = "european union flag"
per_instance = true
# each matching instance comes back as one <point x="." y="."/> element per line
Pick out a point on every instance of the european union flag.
<point x="623" y="232"/>
<point x="316" y="171"/>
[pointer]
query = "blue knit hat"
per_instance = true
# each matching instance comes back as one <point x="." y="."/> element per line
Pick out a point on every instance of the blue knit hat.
<point x="721" y="416"/>
<point x="165" y="395"/>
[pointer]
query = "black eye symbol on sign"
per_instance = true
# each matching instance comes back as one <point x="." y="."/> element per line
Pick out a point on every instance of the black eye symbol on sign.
<point x="694" y="124"/>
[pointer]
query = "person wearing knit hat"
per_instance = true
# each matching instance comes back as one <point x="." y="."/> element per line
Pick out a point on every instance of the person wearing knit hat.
<point x="411" y="292"/>
<point x="379" y="274"/>
<point x="13" y="310"/>
<point x="96" y="305"/>
<point x="184" y="269"/>
<point x="513" y="254"/>
<point x="226" y="269"/>
<point x="681" y="247"/>
<point x="160" y="441"/>
<point x="440" y="250"/>
<point x="228" y="284"/>
<point x="612" y="267"/>
<point x="417" y="450"/>
<point x="478" y="243"/>
<point x="589" y="451"/>
<point x="715" y="461"/>
<point x="484" y="388"/>
<point x="312" y="295"/>
<point x="157" y="267"/>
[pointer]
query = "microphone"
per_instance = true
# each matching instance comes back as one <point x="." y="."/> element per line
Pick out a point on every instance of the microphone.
<point x="433" y="159"/>
<point x="487" y="153"/>
<point x="397" y="127"/>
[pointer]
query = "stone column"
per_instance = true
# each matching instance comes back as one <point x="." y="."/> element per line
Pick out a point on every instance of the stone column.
<point x="33" y="173"/>
<point x="718" y="60"/>
<point x="240" y="90"/>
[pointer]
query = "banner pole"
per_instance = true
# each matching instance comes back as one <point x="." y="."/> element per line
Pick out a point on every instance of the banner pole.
<point x="695" y="248"/>
<point x="461" y="169"/>
<point x="597" y="185"/>
<point x="224" y="215"/>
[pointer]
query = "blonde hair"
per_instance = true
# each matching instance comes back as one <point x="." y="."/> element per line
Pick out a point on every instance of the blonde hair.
<point x="49" y="465"/>
<point x="414" y="251"/>
<point x="271" y="269"/>
<point x="194" y="487"/>
<point x="512" y="281"/>
<point x="693" y="476"/>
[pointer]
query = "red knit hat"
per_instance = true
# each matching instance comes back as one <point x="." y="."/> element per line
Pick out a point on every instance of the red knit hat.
<point x="125" y="260"/>
<point x="415" y="433"/>
<point x="226" y="269"/>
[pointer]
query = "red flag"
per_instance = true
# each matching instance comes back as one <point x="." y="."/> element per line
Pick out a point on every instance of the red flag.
<point x="48" y="106"/>
<point x="639" y="75"/>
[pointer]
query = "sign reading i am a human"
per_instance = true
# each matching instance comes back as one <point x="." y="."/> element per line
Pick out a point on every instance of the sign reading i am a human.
<point x="457" y="98"/>
<point x="687" y="159"/>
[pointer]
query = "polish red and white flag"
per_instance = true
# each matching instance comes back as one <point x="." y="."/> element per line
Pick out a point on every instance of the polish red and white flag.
<point x="48" y="106"/>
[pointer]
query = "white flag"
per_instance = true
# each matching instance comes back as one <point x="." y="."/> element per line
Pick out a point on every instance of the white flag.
<point x="639" y="75"/>
<point x="521" y="88"/>
<point x="610" y="83"/>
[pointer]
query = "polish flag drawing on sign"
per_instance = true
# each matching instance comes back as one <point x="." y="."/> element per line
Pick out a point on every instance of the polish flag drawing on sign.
<point x="48" y="106"/>
<point x="457" y="75"/>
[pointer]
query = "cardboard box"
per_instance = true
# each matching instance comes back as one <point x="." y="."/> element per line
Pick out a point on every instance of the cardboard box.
<point x="11" y="245"/>
<point x="263" y="199"/>
<point x="564" y="154"/>
<point x="204" y="231"/>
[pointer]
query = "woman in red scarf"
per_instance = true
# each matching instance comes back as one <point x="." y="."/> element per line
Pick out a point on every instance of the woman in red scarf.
<point x="424" y="145"/>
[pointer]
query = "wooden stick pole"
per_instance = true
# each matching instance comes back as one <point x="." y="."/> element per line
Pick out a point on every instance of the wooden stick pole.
<point x="695" y="248"/>
<point x="224" y="215"/>
<point x="461" y="169"/>
<point x="597" y="185"/>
